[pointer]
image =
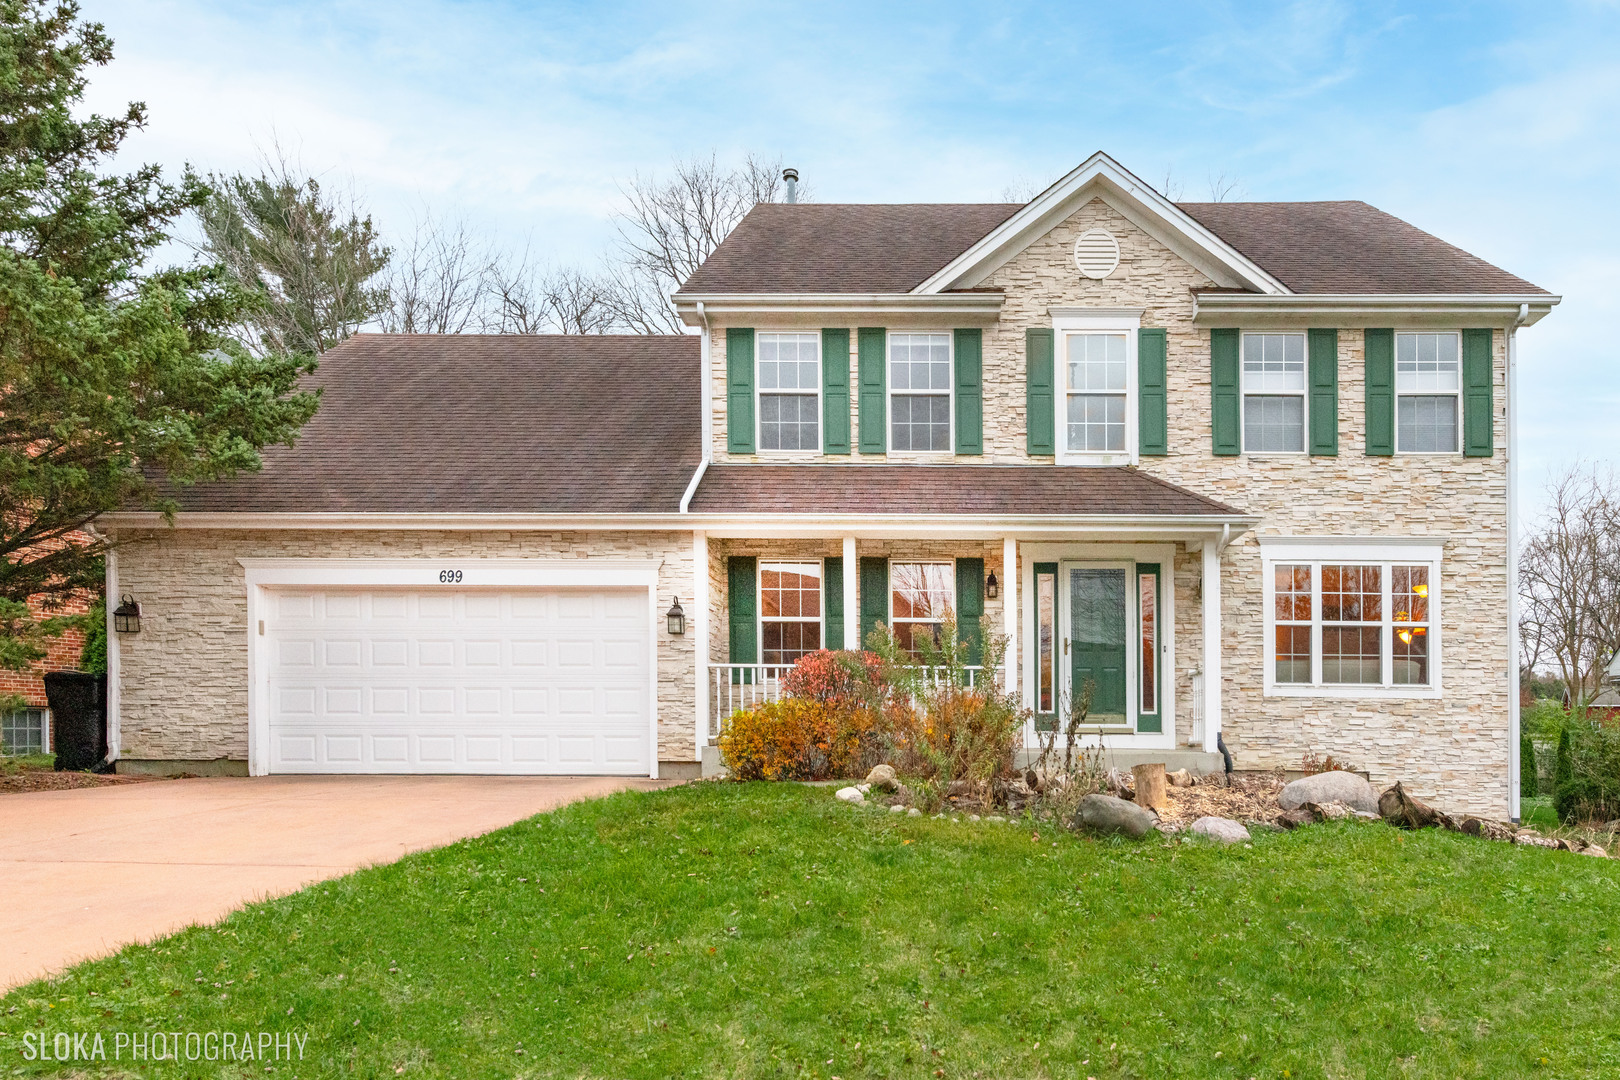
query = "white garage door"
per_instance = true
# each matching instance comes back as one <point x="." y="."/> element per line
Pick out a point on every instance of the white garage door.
<point x="408" y="681"/>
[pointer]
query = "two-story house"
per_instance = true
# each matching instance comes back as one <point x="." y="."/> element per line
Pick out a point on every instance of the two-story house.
<point x="1245" y="467"/>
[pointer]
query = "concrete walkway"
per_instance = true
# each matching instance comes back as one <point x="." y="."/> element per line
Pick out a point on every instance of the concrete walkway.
<point x="85" y="872"/>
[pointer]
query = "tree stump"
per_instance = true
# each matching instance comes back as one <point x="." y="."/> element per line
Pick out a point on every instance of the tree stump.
<point x="1150" y="786"/>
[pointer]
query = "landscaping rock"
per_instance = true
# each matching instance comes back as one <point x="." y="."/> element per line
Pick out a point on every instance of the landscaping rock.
<point x="1330" y="787"/>
<point x="1333" y="811"/>
<point x="1293" y="819"/>
<point x="1221" y="830"/>
<point x="913" y="812"/>
<point x="850" y="795"/>
<point x="903" y="795"/>
<point x="882" y="777"/>
<point x="1593" y="849"/>
<point x="897" y="809"/>
<point x="1399" y="808"/>
<point x="1179" y="778"/>
<point x="1105" y="813"/>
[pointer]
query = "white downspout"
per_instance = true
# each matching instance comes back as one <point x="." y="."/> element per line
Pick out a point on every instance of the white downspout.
<point x="705" y="421"/>
<point x="1513" y="558"/>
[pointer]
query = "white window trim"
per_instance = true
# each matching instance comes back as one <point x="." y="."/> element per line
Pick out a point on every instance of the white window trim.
<point x="1456" y="395"/>
<point x="760" y="392"/>
<point x="949" y="563"/>
<point x="1405" y="551"/>
<point x="1112" y="321"/>
<point x="759" y="600"/>
<point x="1243" y="395"/>
<point x="888" y="401"/>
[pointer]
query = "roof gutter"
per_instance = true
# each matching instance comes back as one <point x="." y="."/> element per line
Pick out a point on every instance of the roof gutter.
<point x="1501" y="309"/>
<point x="978" y="307"/>
<point x="703" y="426"/>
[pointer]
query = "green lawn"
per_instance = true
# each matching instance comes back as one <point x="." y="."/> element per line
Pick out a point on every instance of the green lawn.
<point x="756" y="930"/>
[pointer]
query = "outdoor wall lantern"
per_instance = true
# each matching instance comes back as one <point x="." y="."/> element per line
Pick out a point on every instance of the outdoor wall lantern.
<point x="127" y="616"/>
<point x="992" y="587"/>
<point x="676" y="618"/>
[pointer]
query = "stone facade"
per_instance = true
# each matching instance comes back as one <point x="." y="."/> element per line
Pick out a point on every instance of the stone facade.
<point x="184" y="680"/>
<point x="1454" y="749"/>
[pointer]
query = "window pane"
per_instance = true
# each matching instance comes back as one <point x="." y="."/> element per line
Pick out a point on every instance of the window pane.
<point x="790" y="610"/>
<point x="1148" y="598"/>
<point x="920" y="362"/>
<point x="786" y="642"/>
<point x="922" y="590"/>
<point x="908" y="634"/>
<point x="1352" y="594"/>
<point x="1273" y="423"/>
<point x="1096" y="361"/>
<point x="1096" y="422"/>
<point x="1409" y="594"/>
<point x="1351" y="654"/>
<point x="22" y="731"/>
<point x="1273" y="363"/>
<point x="789" y="361"/>
<point x="1427" y="425"/>
<point x="1046" y="617"/>
<point x="1427" y="364"/>
<point x="1293" y="654"/>
<point x="920" y="422"/>
<point x="1292" y="586"/>
<point x="788" y="422"/>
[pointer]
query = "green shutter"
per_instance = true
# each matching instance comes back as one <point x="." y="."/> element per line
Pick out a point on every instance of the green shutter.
<point x="874" y="595"/>
<point x="970" y="607"/>
<point x="739" y="390"/>
<point x="1478" y="397"/>
<point x="1226" y="421"/>
<point x="1323" y="347"/>
<point x="871" y="342"/>
<point x="742" y="597"/>
<point x="835" y="391"/>
<point x="832" y="602"/>
<point x="1040" y="377"/>
<point x="1152" y="393"/>
<point x="969" y="392"/>
<point x="1379" y="349"/>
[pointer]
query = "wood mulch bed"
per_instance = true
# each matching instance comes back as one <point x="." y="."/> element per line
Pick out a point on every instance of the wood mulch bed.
<point x="26" y="780"/>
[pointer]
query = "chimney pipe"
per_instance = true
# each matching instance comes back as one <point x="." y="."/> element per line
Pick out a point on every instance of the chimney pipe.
<point x="791" y="178"/>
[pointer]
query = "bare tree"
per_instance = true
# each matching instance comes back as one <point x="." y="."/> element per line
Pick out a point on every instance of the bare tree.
<point x="1171" y="188"/>
<point x="1022" y="190"/>
<point x="440" y="280"/>
<point x="526" y="299"/>
<point x="669" y="227"/>
<point x="1223" y="187"/>
<point x="1569" y="580"/>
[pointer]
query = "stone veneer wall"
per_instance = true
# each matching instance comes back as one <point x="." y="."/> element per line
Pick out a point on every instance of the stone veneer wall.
<point x="1454" y="749"/>
<point x="184" y="684"/>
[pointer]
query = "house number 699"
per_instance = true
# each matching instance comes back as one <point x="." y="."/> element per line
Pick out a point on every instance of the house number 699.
<point x="450" y="577"/>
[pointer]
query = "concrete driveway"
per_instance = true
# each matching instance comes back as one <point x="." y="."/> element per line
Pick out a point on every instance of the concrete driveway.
<point x="83" y="873"/>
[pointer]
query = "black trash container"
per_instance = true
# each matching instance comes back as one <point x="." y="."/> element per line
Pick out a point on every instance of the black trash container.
<point x="79" y="718"/>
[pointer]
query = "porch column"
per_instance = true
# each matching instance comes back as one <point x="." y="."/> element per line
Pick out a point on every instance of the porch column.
<point x="1009" y="610"/>
<point x="1212" y="643"/>
<point x="700" y="636"/>
<point x="852" y="607"/>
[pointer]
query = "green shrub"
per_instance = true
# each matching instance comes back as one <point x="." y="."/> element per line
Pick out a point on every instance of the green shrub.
<point x="1586" y="780"/>
<point x="1544" y="719"/>
<point x="1528" y="783"/>
<point x="93" y="657"/>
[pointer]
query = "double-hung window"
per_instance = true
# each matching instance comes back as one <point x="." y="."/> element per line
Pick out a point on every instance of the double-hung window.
<point x="1095" y="392"/>
<point x="1351" y="621"/>
<point x="921" y="595"/>
<point x="919" y="392"/>
<point x="789" y="610"/>
<point x="1428" y="385"/>
<point x="1274" y="393"/>
<point x="790" y="391"/>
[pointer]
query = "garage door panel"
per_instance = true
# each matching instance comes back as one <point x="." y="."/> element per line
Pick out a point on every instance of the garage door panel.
<point x="404" y="681"/>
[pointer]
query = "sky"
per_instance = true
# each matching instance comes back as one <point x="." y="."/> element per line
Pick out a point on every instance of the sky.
<point x="1495" y="126"/>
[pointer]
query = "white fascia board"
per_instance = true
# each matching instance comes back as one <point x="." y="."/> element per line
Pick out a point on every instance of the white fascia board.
<point x="1213" y="309"/>
<point x="980" y="308"/>
<point x="738" y="526"/>
<point x="1101" y="175"/>
<point x="428" y="571"/>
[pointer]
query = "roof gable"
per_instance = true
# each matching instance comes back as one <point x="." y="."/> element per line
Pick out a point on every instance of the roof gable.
<point x="1101" y="177"/>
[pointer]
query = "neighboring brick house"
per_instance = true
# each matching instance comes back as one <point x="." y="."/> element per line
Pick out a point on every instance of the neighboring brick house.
<point x="28" y="730"/>
<point x="1244" y="466"/>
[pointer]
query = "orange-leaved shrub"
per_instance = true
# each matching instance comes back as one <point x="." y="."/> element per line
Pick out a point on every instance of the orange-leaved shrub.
<point x="798" y="738"/>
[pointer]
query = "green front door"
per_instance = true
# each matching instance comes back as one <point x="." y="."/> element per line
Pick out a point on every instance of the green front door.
<point x="1097" y="641"/>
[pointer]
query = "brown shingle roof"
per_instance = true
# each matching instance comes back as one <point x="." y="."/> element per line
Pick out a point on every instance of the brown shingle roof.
<point x="1349" y="247"/>
<point x="843" y="247"/>
<point x="943" y="489"/>
<point x="485" y="424"/>
<point x="1312" y="247"/>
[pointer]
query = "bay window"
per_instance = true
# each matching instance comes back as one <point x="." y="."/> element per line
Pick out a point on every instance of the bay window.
<point x="1428" y="393"/>
<point x="790" y="391"/>
<point x="1347" y="619"/>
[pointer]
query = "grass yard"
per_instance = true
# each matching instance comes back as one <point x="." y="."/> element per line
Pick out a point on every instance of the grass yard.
<point x="759" y="930"/>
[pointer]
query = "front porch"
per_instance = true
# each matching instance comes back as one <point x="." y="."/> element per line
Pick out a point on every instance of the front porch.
<point x="1124" y="615"/>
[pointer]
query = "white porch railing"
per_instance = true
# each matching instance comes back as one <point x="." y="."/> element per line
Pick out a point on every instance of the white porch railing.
<point x="740" y="686"/>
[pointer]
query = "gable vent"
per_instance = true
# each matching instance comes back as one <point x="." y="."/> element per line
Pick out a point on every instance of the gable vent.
<point x="1096" y="253"/>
